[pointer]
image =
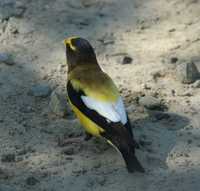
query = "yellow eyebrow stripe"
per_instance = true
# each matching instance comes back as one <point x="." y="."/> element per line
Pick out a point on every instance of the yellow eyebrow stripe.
<point x="69" y="42"/>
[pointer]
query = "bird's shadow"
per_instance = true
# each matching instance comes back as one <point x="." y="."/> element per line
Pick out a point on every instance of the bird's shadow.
<point x="157" y="134"/>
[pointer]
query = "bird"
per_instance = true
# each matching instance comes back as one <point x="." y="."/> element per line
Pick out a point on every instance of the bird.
<point x="96" y="101"/>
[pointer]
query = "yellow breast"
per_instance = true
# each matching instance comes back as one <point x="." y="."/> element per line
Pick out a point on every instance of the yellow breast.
<point x="89" y="125"/>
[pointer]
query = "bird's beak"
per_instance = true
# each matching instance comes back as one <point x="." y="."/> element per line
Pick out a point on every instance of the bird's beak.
<point x="68" y="41"/>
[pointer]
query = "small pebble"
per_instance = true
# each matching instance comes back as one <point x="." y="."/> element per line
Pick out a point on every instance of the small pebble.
<point x="186" y="155"/>
<point x="127" y="60"/>
<point x="6" y="58"/>
<point x="150" y="102"/>
<point x="173" y="92"/>
<point x="40" y="90"/>
<point x="58" y="104"/>
<point x="174" y="60"/>
<point x="172" y="30"/>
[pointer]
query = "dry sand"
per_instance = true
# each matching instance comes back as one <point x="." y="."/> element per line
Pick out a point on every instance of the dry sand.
<point x="151" y="32"/>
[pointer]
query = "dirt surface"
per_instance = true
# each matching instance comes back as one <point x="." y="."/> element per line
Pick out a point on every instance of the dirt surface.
<point x="140" y="44"/>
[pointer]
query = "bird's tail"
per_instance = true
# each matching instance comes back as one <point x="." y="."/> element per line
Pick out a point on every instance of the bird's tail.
<point x="120" y="138"/>
<point x="131" y="161"/>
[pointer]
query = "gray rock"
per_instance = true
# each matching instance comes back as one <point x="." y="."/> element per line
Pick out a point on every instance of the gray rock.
<point x="6" y="58"/>
<point x="196" y="84"/>
<point x="150" y="102"/>
<point x="187" y="72"/>
<point x="40" y="90"/>
<point x="58" y="104"/>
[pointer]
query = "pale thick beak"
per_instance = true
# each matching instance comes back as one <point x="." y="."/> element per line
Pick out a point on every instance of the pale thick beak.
<point x="68" y="41"/>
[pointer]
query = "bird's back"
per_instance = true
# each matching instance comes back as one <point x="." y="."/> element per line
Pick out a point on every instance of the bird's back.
<point x="95" y="82"/>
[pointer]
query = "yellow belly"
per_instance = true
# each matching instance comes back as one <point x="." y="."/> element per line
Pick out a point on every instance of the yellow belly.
<point x="90" y="127"/>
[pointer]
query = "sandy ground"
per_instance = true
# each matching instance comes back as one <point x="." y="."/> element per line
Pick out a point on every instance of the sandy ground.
<point x="152" y="33"/>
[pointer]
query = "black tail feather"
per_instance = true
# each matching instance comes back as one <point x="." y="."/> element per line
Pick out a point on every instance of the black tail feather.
<point x="132" y="162"/>
<point x="122" y="139"/>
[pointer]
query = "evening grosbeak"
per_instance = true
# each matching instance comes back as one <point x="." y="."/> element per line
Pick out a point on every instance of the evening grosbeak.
<point x="96" y="101"/>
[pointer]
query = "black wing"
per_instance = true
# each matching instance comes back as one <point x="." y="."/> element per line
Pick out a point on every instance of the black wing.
<point x="109" y="127"/>
<point x="75" y="98"/>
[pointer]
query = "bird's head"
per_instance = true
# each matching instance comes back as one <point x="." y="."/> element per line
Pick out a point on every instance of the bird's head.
<point x="78" y="52"/>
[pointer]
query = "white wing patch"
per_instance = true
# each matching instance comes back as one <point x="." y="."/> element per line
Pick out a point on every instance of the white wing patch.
<point x="114" y="112"/>
<point x="119" y="107"/>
